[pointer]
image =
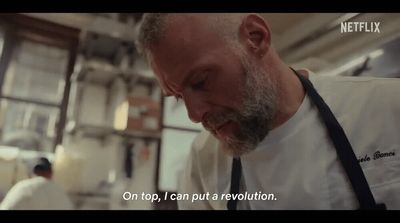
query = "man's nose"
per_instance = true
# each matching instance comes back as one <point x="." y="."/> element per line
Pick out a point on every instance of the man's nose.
<point x="196" y="108"/>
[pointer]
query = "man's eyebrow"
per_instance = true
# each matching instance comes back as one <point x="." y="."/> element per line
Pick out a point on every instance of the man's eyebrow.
<point x="166" y="92"/>
<point x="190" y="74"/>
<point x="170" y="92"/>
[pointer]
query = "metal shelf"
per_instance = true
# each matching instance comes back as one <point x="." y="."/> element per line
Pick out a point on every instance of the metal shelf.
<point x="103" y="131"/>
<point x="104" y="73"/>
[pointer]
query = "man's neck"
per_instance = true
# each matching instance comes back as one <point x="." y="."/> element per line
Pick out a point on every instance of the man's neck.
<point x="290" y="95"/>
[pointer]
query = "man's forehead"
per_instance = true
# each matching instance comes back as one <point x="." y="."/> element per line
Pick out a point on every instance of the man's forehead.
<point x="184" y="40"/>
<point x="171" y="64"/>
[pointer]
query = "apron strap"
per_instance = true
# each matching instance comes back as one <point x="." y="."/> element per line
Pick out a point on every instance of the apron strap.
<point x="343" y="148"/>
<point x="235" y="182"/>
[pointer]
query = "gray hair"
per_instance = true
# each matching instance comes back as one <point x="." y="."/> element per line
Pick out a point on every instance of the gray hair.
<point x="151" y="29"/>
<point x="153" y="26"/>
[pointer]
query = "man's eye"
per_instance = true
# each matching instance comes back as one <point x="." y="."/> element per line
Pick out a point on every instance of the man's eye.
<point x="199" y="85"/>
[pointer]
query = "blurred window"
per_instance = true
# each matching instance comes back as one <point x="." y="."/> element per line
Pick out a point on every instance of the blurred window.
<point x="177" y="136"/>
<point x="27" y="125"/>
<point x="175" y="149"/>
<point x="35" y="67"/>
<point x="36" y="71"/>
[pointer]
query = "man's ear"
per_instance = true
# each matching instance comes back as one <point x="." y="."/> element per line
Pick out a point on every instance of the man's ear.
<point x="255" y="34"/>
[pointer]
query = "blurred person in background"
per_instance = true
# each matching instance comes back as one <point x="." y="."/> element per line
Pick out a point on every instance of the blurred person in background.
<point x="38" y="192"/>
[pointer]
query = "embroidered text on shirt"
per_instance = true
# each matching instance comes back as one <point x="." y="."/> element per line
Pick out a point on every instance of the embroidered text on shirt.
<point x="377" y="155"/>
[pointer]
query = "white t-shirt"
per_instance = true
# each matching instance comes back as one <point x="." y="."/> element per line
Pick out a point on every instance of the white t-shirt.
<point x="297" y="161"/>
<point x="37" y="193"/>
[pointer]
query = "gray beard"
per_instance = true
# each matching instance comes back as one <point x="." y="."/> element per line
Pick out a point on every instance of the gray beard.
<point x="254" y="120"/>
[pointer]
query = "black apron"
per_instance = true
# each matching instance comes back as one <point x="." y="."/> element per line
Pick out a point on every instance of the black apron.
<point x="343" y="150"/>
